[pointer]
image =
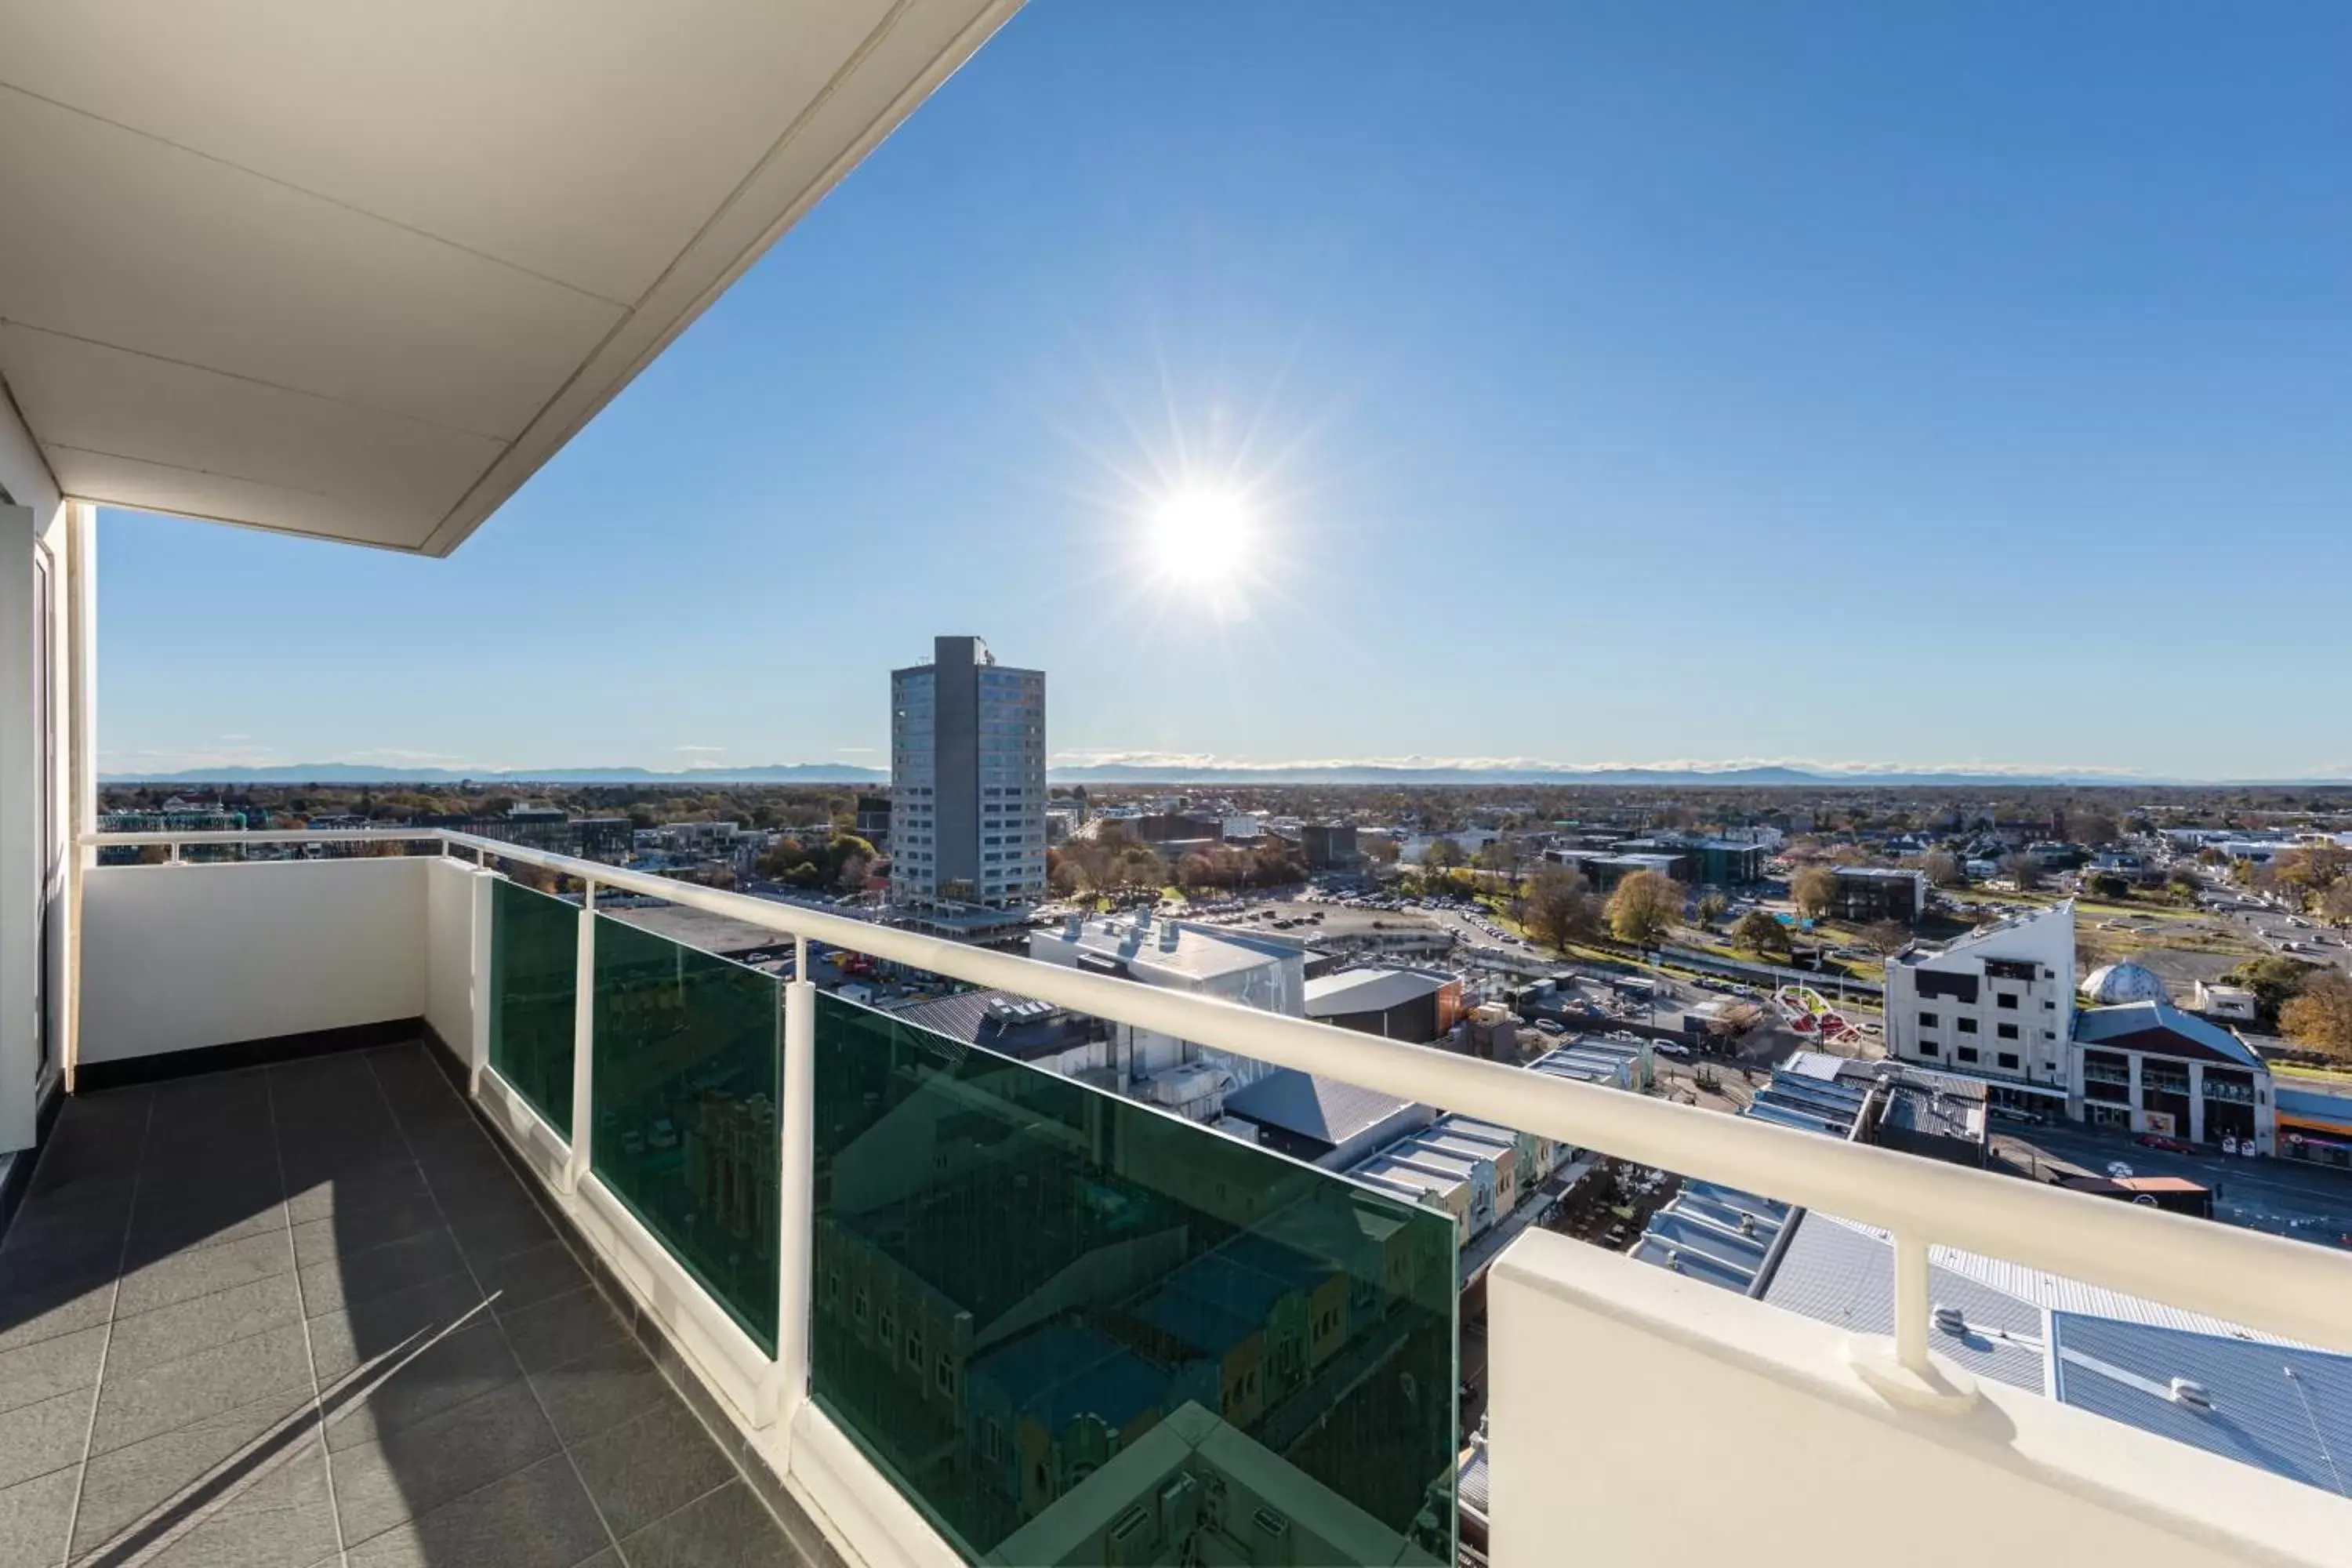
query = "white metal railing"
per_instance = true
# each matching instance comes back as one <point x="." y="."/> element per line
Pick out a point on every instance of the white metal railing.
<point x="2289" y="1288"/>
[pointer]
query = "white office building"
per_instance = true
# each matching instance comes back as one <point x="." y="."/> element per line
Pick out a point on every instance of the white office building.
<point x="967" y="781"/>
<point x="1998" y="1004"/>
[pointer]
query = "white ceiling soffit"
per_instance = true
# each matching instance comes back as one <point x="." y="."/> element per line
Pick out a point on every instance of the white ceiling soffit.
<point x="356" y="270"/>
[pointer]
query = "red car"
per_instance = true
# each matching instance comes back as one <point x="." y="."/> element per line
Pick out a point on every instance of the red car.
<point x="2169" y="1146"/>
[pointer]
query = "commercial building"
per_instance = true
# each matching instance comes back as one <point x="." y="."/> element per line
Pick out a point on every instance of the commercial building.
<point x="2149" y="1066"/>
<point x="1879" y="893"/>
<point x="874" y="820"/>
<point x="1413" y="1005"/>
<point x="2314" y="1122"/>
<point x="1320" y="1120"/>
<point x="1997" y="1003"/>
<point x="1330" y="846"/>
<point x="606" y="838"/>
<point x="967" y="781"/>
<point x="1178" y="955"/>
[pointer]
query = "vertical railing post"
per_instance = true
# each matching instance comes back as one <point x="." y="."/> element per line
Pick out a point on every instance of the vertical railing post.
<point x="584" y="1046"/>
<point x="1911" y="1305"/>
<point x="485" y="989"/>
<point x="795" y="1203"/>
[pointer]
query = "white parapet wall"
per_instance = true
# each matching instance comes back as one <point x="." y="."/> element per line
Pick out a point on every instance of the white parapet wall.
<point x="450" y="983"/>
<point x="1639" y="1416"/>
<point x="179" y="957"/>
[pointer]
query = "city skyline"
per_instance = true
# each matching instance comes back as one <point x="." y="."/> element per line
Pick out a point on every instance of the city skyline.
<point x="1839" y="385"/>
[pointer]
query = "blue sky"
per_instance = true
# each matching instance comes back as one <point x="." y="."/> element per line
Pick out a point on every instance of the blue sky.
<point x="1925" y="383"/>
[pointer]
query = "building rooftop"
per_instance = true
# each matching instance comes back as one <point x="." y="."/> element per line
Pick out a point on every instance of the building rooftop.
<point x="1370" y="990"/>
<point x="1323" y="1109"/>
<point x="1001" y="1022"/>
<point x="2162" y="1030"/>
<point x="1177" y="949"/>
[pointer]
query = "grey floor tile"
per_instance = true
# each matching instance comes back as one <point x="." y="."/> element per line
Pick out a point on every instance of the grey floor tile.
<point x="597" y="1391"/>
<point x="534" y="1275"/>
<point x="341" y="1281"/>
<point x="445" y="1373"/>
<point x="563" y="1328"/>
<point x="650" y="1467"/>
<point x="536" y="1517"/>
<point x="382" y="1182"/>
<point x="726" y="1528"/>
<point x="280" y="1517"/>
<point x="34" y="1517"/>
<point x="126" y="1487"/>
<point x="47" y="1368"/>
<point x="157" y="1234"/>
<point x="35" y="1307"/>
<point x="361" y="1332"/>
<point x="56" y="1226"/>
<point x="167" y="1333"/>
<point x="183" y="1276"/>
<point x="415" y="1470"/>
<point x="38" y="1438"/>
<point x="206" y="1382"/>
<point x="354" y="1230"/>
<point x="493" y="1229"/>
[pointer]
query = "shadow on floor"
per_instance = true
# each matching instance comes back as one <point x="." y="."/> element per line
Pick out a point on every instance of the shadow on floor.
<point x="308" y="1314"/>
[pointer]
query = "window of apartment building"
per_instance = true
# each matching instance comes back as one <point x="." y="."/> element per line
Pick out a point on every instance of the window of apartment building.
<point x="944" y="1373"/>
<point x="1966" y="1053"/>
<point x="2008" y="1059"/>
<point x="915" y="1350"/>
<point x="1929" y="1048"/>
<point x="2007" y="1000"/>
<point x="2006" y="1031"/>
<point x="1927" y="1020"/>
<point x="1967" y="1025"/>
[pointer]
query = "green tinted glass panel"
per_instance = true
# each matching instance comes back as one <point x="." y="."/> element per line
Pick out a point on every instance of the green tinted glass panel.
<point x="685" y="1086"/>
<point x="1074" y="1329"/>
<point x="534" y="982"/>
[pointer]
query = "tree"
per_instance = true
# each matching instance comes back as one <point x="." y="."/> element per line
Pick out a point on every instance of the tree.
<point x="1644" y="907"/>
<point x="2320" y="1014"/>
<point x="1379" y="849"/>
<point x="1711" y="908"/>
<point x="1885" y="938"/>
<point x="855" y="870"/>
<point x="1442" y="855"/>
<point x="1944" y="868"/>
<point x="2274" y="979"/>
<point x="1195" y="871"/>
<point x="1814" y="890"/>
<point x="2094" y="828"/>
<point x="1557" y="908"/>
<point x="2024" y="870"/>
<point x="1760" y="934"/>
<point x="2336" y="903"/>
<point x="1500" y="854"/>
<point x="2109" y="885"/>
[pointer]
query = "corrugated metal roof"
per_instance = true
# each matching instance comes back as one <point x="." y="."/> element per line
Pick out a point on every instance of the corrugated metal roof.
<point x="1313" y="1106"/>
<point x="1839" y="1274"/>
<point x="1368" y="990"/>
<point x="2096" y="1025"/>
<point x="2283" y="1410"/>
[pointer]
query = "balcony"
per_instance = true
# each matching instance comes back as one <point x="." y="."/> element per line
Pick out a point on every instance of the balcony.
<point x="847" y="1290"/>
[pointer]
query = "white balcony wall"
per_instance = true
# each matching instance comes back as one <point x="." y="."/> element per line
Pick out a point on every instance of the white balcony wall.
<point x="1639" y="1416"/>
<point x="451" y="992"/>
<point x="175" y="958"/>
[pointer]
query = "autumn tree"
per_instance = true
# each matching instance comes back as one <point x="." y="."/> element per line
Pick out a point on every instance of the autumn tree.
<point x="1558" y="909"/>
<point x="1711" y="908"/>
<point x="1644" y="907"/>
<point x="1442" y="855"/>
<point x="1760" y="934"/>
<point x="1814" y="891"/>
<point x="1943" y="869"/>
<point x="2320" y="1014"/>
<point x="1885" y="938"/>
<point x="2024" y="870"/>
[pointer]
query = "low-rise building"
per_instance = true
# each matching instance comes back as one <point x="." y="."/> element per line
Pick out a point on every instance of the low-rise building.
<point x="2150" y="1068"/>
<point x="1997" y="1005"/>
<point x="1416" y="1005"/>
<point x="2228" y="1003"/>
<point x="1879" y="893"/>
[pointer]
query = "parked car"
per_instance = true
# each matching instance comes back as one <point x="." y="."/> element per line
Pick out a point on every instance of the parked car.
<point x="2169" y="1146"/>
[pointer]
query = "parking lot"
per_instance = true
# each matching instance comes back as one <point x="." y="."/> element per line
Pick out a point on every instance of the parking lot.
<point x="2280" y="1196"/>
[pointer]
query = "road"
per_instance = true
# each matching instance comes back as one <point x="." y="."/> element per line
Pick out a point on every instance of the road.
<point x="2314" y="943"/>
<point x="2279" y="1196"/>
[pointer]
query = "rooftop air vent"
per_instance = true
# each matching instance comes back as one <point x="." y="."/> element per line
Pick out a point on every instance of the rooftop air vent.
<point x="1951" y="1319"/>
<point x="2192" y="1394"/>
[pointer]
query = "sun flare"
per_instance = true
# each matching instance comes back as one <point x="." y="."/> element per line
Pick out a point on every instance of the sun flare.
<point x="1199" y="537"/>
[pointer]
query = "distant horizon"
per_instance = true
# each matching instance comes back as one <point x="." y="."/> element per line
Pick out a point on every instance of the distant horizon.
<point x="1148" y="770"/>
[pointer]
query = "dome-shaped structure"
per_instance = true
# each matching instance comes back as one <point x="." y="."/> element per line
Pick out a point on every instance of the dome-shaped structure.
<point x="2113" y="984"/>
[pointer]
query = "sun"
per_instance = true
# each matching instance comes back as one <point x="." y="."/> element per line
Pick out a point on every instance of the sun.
<point x="1201" y="538"/>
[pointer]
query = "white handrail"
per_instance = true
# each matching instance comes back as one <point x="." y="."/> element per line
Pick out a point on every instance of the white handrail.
<point x="2289" y="1288"/>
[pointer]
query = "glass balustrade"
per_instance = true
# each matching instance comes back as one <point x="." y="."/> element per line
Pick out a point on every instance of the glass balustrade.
<point x="1076" y="1329"/>
<point x="534" y="986"/>
<point x="685" y="1085"/>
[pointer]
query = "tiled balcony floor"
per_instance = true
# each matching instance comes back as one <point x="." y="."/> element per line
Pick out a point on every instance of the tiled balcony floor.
<point x="307" y="1314"/>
